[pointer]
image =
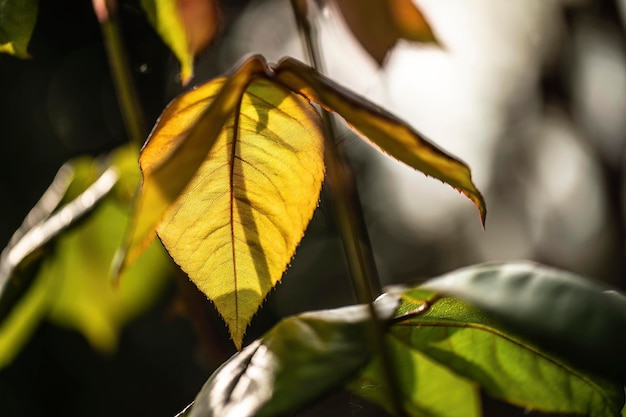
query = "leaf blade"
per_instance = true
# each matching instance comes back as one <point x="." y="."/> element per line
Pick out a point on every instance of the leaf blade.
<point x="385" y="131"/>
<point x="573" y="317"/>
<point x="177" y="146"/>
<point x="316" y="350"/>
<point x="509" y="368"/>
<point x="237" y="227"/>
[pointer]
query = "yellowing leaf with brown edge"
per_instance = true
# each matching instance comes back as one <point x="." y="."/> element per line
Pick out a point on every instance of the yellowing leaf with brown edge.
<point x="379" y="24"/>
<point x="178" y="145"/>
<point x="236" y="226"/>
<point x="392" y="135"/>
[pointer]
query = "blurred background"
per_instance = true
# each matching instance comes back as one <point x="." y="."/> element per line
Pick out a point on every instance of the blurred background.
<point x="530" y="93"/>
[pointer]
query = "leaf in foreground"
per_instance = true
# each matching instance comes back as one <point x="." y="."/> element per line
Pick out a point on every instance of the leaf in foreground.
<point x="427" y="388"/>
<point x="17" y="22"/>
<point x="576" y="318"/>
<point x="233" y="170"/>
<point x="296" y="362"/>
<point x="509" y="368"/>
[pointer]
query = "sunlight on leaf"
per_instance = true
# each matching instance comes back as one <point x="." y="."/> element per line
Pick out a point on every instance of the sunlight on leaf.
<point x="388" y="133"/>
<point x="464" y="339"/>
<point x="296" y="362"/>
<point x="428" y="389"/>
<point x="17" y="21"/>
<point x="237" y="226"/>
<point x="179" y="143"/>
<point x="576" y="318"/>
<point x="186" y="26"/>
<point x="379" y="24"/>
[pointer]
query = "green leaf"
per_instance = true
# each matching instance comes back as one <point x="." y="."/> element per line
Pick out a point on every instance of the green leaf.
<point x="427" y="387"/>
<point x="578" y="319"/>
<point x="71" y="285"/>
<point x="509" y="368"/>
<point x="17" y="22"/>
<point x="390" y="134"/>
<point x="297" y="361"/>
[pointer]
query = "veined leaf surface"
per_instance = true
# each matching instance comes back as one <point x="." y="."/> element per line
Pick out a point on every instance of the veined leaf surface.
<point x="179" y="143"/>
<point x="576" y="318"/>
<point x="17" y="21"/>
<point x="509" y="368"/>
<point x="236" y="227"/>
<point x="392" y="135"/>
<point x="427" y="388"/>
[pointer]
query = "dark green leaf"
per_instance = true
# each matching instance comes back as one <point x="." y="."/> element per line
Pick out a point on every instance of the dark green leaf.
<point x="17" y="21"/>
<point x="508" y="367"/>
<point x="296" y="362"/>
<point x="567" y="314"/>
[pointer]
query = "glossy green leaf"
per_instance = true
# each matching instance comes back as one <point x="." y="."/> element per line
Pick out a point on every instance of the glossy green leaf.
<point x="576" y="318"/>
<point x="17" y="22"/>
<point x="297" y="361"/>
<point x="427" y="388"/>
<point x="390" y="134"/>
<point x="507" y="367"/>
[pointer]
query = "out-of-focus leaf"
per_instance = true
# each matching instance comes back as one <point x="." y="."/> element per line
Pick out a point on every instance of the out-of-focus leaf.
<point x="567" y="314"/>
<point x="178" y="145"/>
<point x="297" y="361"/>
<point x="17" y="22"/>
<point x="379" y="24"/>
<point x="427" y="388"/>
<point x="237" y="226"/>
<point x="392" y="135"/>
<point x="71" y="285"/>
<point x="186" y="26"/>
<point x="201" y="19"/>
<point x="509" y="368"/>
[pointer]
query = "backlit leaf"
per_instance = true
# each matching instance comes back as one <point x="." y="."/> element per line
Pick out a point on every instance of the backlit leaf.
<point x="186" y="26"/>
<point x="297" y="361"/>
<point x="427" y="388"/>
<point x="574" y="317"/>
<point x="17" y="21"/>
<point x="179" y="143"/>
<point x="237" y="226"/>
<point x="384" y="130"/>
<point x="379" y="24"/>
<point x="509" y="368"/>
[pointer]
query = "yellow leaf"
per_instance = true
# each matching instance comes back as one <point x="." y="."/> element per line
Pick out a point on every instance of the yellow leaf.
<point x="178" y="144"/>
<point x="379" y="24"/>
<point x="392" y="135"/>
<point x="237" y="225"/>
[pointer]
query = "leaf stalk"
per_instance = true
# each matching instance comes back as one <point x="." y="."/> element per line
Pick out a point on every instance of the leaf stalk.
<point x="125" y="89"/>
<point x="348" y="213"/>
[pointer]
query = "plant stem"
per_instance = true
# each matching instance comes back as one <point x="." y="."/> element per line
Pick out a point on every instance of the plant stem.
<point x="349" y="216"/>
<point x="130" y="107"/>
